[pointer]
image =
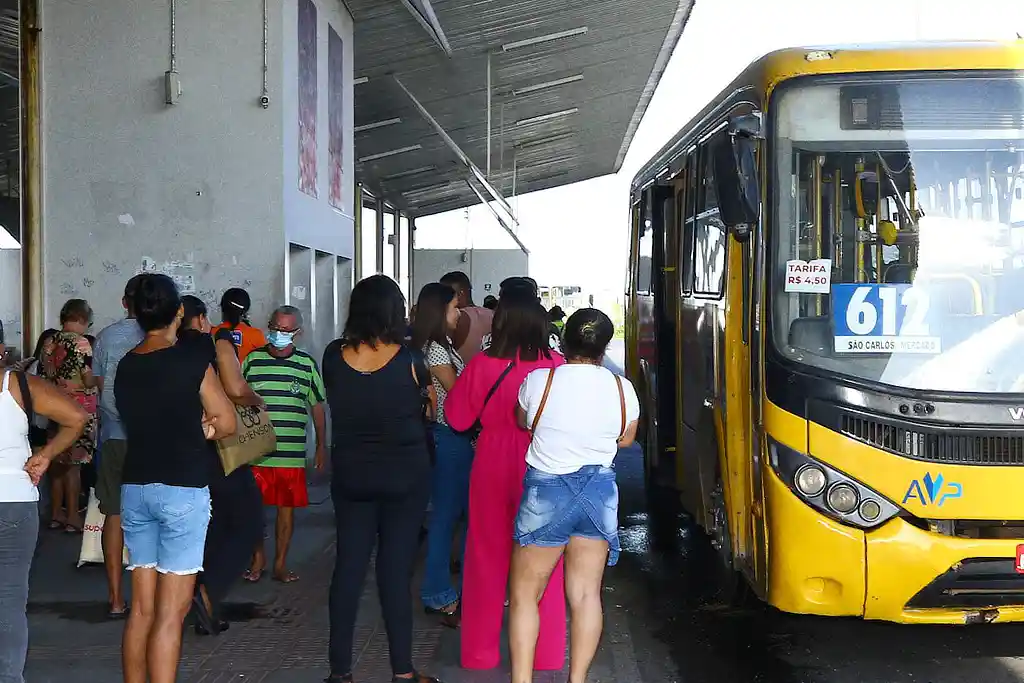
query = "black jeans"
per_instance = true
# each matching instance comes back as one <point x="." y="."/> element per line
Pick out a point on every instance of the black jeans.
<point x="393" y="525"/>
<point x="236" y="527"/>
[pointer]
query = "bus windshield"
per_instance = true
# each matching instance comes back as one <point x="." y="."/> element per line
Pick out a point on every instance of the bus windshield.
<point x="898" y="237"/>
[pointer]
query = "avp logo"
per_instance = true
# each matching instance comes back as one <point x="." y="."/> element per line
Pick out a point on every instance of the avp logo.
<point x="1016" y="413"/>
<point x="933" y="491"/>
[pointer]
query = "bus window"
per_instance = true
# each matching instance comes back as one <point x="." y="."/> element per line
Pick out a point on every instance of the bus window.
<point x="687" y="219"/>
<point x="645" y="252"/>
<point x="709" y="242"/>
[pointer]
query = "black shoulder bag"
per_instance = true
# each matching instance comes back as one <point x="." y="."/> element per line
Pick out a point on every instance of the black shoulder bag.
<point x="423" y="381"/>
<point x="474" y="431"/>
<point x="37" y="436"/>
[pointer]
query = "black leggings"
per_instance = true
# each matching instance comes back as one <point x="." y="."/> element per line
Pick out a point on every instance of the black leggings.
<point x="394" y="527"/>
<point x="236" y="527"/>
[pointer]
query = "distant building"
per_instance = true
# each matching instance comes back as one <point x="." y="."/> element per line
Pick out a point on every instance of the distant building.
<point x="570" y="298"/>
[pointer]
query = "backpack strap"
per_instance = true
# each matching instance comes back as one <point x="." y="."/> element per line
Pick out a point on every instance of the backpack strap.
<point x="543" y="400"/>
<point x="26" y="396"/>
<point x="622" y="407"/>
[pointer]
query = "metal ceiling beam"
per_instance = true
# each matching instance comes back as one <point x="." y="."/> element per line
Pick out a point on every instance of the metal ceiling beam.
<point x="428" y="20"/>
<point x="463" y="157"/>
<point x="497" y="217"/>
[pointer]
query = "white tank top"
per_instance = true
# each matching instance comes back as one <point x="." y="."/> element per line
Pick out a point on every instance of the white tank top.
<point x="15" y="486"/>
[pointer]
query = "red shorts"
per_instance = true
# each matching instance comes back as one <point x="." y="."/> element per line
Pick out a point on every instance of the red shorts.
<point x="282" y="486"/>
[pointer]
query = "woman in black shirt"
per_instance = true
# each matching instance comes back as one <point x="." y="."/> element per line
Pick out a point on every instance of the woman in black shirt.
<point x="171" y="404"/>
<point x="380" y="470"/>
<point x="236" y="524"/>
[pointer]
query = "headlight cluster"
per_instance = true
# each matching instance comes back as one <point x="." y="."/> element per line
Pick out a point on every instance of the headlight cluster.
<point x="829" y="490"/>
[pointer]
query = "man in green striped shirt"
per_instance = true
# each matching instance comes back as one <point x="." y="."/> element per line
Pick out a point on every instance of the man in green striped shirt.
<point x="289" y="381"/>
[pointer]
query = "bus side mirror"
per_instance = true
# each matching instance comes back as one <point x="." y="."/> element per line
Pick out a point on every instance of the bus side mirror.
<point x="736" y="181"/>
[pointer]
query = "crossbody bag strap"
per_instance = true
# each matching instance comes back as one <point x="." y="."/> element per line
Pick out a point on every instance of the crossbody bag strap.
<point x="622" y="406"/>
<point x="494" y="388"/>
<point x="26" y="397"/>
<point x="543" y="400"/>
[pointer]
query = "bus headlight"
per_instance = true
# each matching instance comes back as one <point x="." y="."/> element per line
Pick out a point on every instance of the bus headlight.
<point x="828" y="490"/>
<point x="810" y="480"/>
<point x="843" y="498"/>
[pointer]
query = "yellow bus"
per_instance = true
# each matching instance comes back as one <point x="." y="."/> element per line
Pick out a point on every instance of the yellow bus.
<point x="825" y="322"/>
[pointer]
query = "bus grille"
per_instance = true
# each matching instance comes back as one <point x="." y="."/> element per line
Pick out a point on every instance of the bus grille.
<point x="957" y="448"/>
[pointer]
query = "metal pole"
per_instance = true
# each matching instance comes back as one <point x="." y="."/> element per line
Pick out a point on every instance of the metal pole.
<point x="380" y="236"/>
<point x="396" y="247"/>
<point x="411" y="246"/>
<point x="357" y="242"/>
<point x="31" y="178"/>
<point x="488" y="115"/>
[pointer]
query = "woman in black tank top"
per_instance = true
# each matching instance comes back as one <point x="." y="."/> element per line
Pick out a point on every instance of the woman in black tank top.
<point x="380" y="470"/>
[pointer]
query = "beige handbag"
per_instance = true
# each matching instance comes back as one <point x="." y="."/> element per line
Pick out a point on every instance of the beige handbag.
<point x="253" y="440"/>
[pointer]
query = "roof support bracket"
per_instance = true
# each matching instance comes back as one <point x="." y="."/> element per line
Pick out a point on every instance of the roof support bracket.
<point x="463" y="157"/>
<point x="497" y="216"/>
<point x="428" y="20"/>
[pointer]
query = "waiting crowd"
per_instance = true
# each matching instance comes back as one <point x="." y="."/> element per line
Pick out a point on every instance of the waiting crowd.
<point x="499" y="417"/>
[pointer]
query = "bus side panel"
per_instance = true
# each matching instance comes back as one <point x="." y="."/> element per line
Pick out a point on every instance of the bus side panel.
<point x="630" y="308"/>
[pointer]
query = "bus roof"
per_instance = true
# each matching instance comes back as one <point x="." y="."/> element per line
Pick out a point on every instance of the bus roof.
<point x="764" y="74"/>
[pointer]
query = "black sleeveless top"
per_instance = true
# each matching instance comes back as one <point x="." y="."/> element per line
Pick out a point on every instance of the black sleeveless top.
<point x="379" y="445"/>
<point x="157" y="395"/>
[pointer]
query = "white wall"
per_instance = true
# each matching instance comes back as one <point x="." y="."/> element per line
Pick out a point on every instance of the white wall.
<point x="10" y="296"/>
<point x="127" y="177"/>
<point x="486" y="268"/>
<point x="310" y="221"/>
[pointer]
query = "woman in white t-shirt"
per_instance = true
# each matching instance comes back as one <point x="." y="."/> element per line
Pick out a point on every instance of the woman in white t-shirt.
<point x="580" y="415"/>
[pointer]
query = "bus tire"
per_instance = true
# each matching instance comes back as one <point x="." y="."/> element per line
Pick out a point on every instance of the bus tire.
<point x="732" y="589"/>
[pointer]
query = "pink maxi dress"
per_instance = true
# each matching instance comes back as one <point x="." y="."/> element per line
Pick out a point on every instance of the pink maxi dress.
<point x="495" y="489"/>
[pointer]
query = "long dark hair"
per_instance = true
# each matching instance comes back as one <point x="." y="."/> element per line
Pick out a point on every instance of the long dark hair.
<point x="376" y="313"/>
<point x="46" y="336"/>
<point x="234" y="306"/>
<point x="156" y="302"/>
<point x="431" y="321"/>
<point x="194" y="307"/>
<point x="520" y="328"/>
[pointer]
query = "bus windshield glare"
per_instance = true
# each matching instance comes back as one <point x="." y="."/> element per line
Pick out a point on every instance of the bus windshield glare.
<point x="897" y="245"/>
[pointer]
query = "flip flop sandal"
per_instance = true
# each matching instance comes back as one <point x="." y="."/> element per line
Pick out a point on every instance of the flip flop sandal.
<point x="287" y="577"/>
<point x="252" y="577"/>
<point x="118" y="614"/>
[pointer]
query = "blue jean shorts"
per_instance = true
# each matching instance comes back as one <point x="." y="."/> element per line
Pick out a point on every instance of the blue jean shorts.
<point x="165" y="527"/>
<point x="556" y="507"/>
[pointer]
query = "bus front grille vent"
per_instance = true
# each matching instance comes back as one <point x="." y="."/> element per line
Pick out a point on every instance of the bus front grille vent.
<point x="954" y="448"/>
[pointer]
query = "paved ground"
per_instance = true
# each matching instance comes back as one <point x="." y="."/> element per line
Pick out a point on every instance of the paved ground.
<point x="663" y="624"/>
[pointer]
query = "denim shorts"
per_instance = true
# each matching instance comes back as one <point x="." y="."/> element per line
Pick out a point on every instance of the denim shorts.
<point x="556" y="507"/>
<point x="165" y="527"/>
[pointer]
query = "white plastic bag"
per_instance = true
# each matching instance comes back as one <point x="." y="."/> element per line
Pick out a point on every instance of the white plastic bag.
<point x="92" y="535"/>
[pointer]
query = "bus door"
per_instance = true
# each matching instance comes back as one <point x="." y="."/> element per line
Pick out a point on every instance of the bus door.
<point x="666" y="299"/>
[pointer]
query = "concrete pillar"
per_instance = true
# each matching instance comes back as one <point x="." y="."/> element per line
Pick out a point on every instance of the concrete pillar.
<point x="379" y="216"/>
<point x="396" y="249"/>
<point x="357" y="250"/>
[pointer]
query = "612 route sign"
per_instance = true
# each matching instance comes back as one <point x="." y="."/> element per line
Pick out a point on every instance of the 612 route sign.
<point x="809" y="277"/>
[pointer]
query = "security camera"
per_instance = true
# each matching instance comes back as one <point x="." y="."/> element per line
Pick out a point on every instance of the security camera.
<point x="265" y="101"/>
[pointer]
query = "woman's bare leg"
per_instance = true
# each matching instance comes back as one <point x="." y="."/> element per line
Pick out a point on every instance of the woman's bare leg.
<point x="531" y="568"/>
<point x="57" y="493"/>
<point x="140" y="624"/>
<point x="173" y="600"/>
<point x="585" y="560"/>
<point x="72" y="495"/>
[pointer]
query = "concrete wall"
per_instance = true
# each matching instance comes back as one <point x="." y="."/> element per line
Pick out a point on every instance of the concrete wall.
<point x="486" y="267"/>
<point x="10" y="296"/>
<point x="196" y="189"/>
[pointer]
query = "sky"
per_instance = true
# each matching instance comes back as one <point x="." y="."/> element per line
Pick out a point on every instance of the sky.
<point x="578" y="234"/>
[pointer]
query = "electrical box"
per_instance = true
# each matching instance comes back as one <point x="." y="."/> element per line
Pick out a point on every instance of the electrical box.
<point x="172" y="87"/>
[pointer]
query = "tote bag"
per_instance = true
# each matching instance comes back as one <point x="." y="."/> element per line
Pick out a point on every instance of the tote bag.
<point x="253" y="440"/>
<point x="92" y="535"/>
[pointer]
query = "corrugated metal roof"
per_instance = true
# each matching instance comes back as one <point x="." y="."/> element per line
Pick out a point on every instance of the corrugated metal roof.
<point x="620" y="58"/>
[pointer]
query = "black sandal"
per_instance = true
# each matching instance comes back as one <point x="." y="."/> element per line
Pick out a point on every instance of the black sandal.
<point x="416" y="677"/>
<point x="335" y="678"/>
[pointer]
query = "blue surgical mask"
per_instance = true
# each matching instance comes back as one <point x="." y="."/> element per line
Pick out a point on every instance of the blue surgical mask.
<point x="280" y="340"/>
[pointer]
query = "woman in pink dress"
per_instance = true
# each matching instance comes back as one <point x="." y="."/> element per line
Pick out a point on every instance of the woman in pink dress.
<point x="486" y="395"/>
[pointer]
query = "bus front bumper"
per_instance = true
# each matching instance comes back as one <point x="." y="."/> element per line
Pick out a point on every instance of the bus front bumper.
<point x="897" y="573"/>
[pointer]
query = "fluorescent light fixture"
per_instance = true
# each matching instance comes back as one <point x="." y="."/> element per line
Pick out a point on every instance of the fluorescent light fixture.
<point x="547" y="117"/>
<point x="7" y="240"/>
<point x="376" y="124"/>
<point x="571" y="33"/>
<point x="537" y="142"/>
<point x="410" y="172"/>
<point x="545" y="162"/>
<point x="547" y="84"/>
<point x="391" y="153"/>
<point x="361" y="80"/>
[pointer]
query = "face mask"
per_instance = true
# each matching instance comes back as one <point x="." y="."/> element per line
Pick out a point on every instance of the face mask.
<point x="280" y="340"/>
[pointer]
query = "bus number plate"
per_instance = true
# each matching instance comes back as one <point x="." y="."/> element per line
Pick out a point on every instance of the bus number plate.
<point x="1018" y="562"/>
